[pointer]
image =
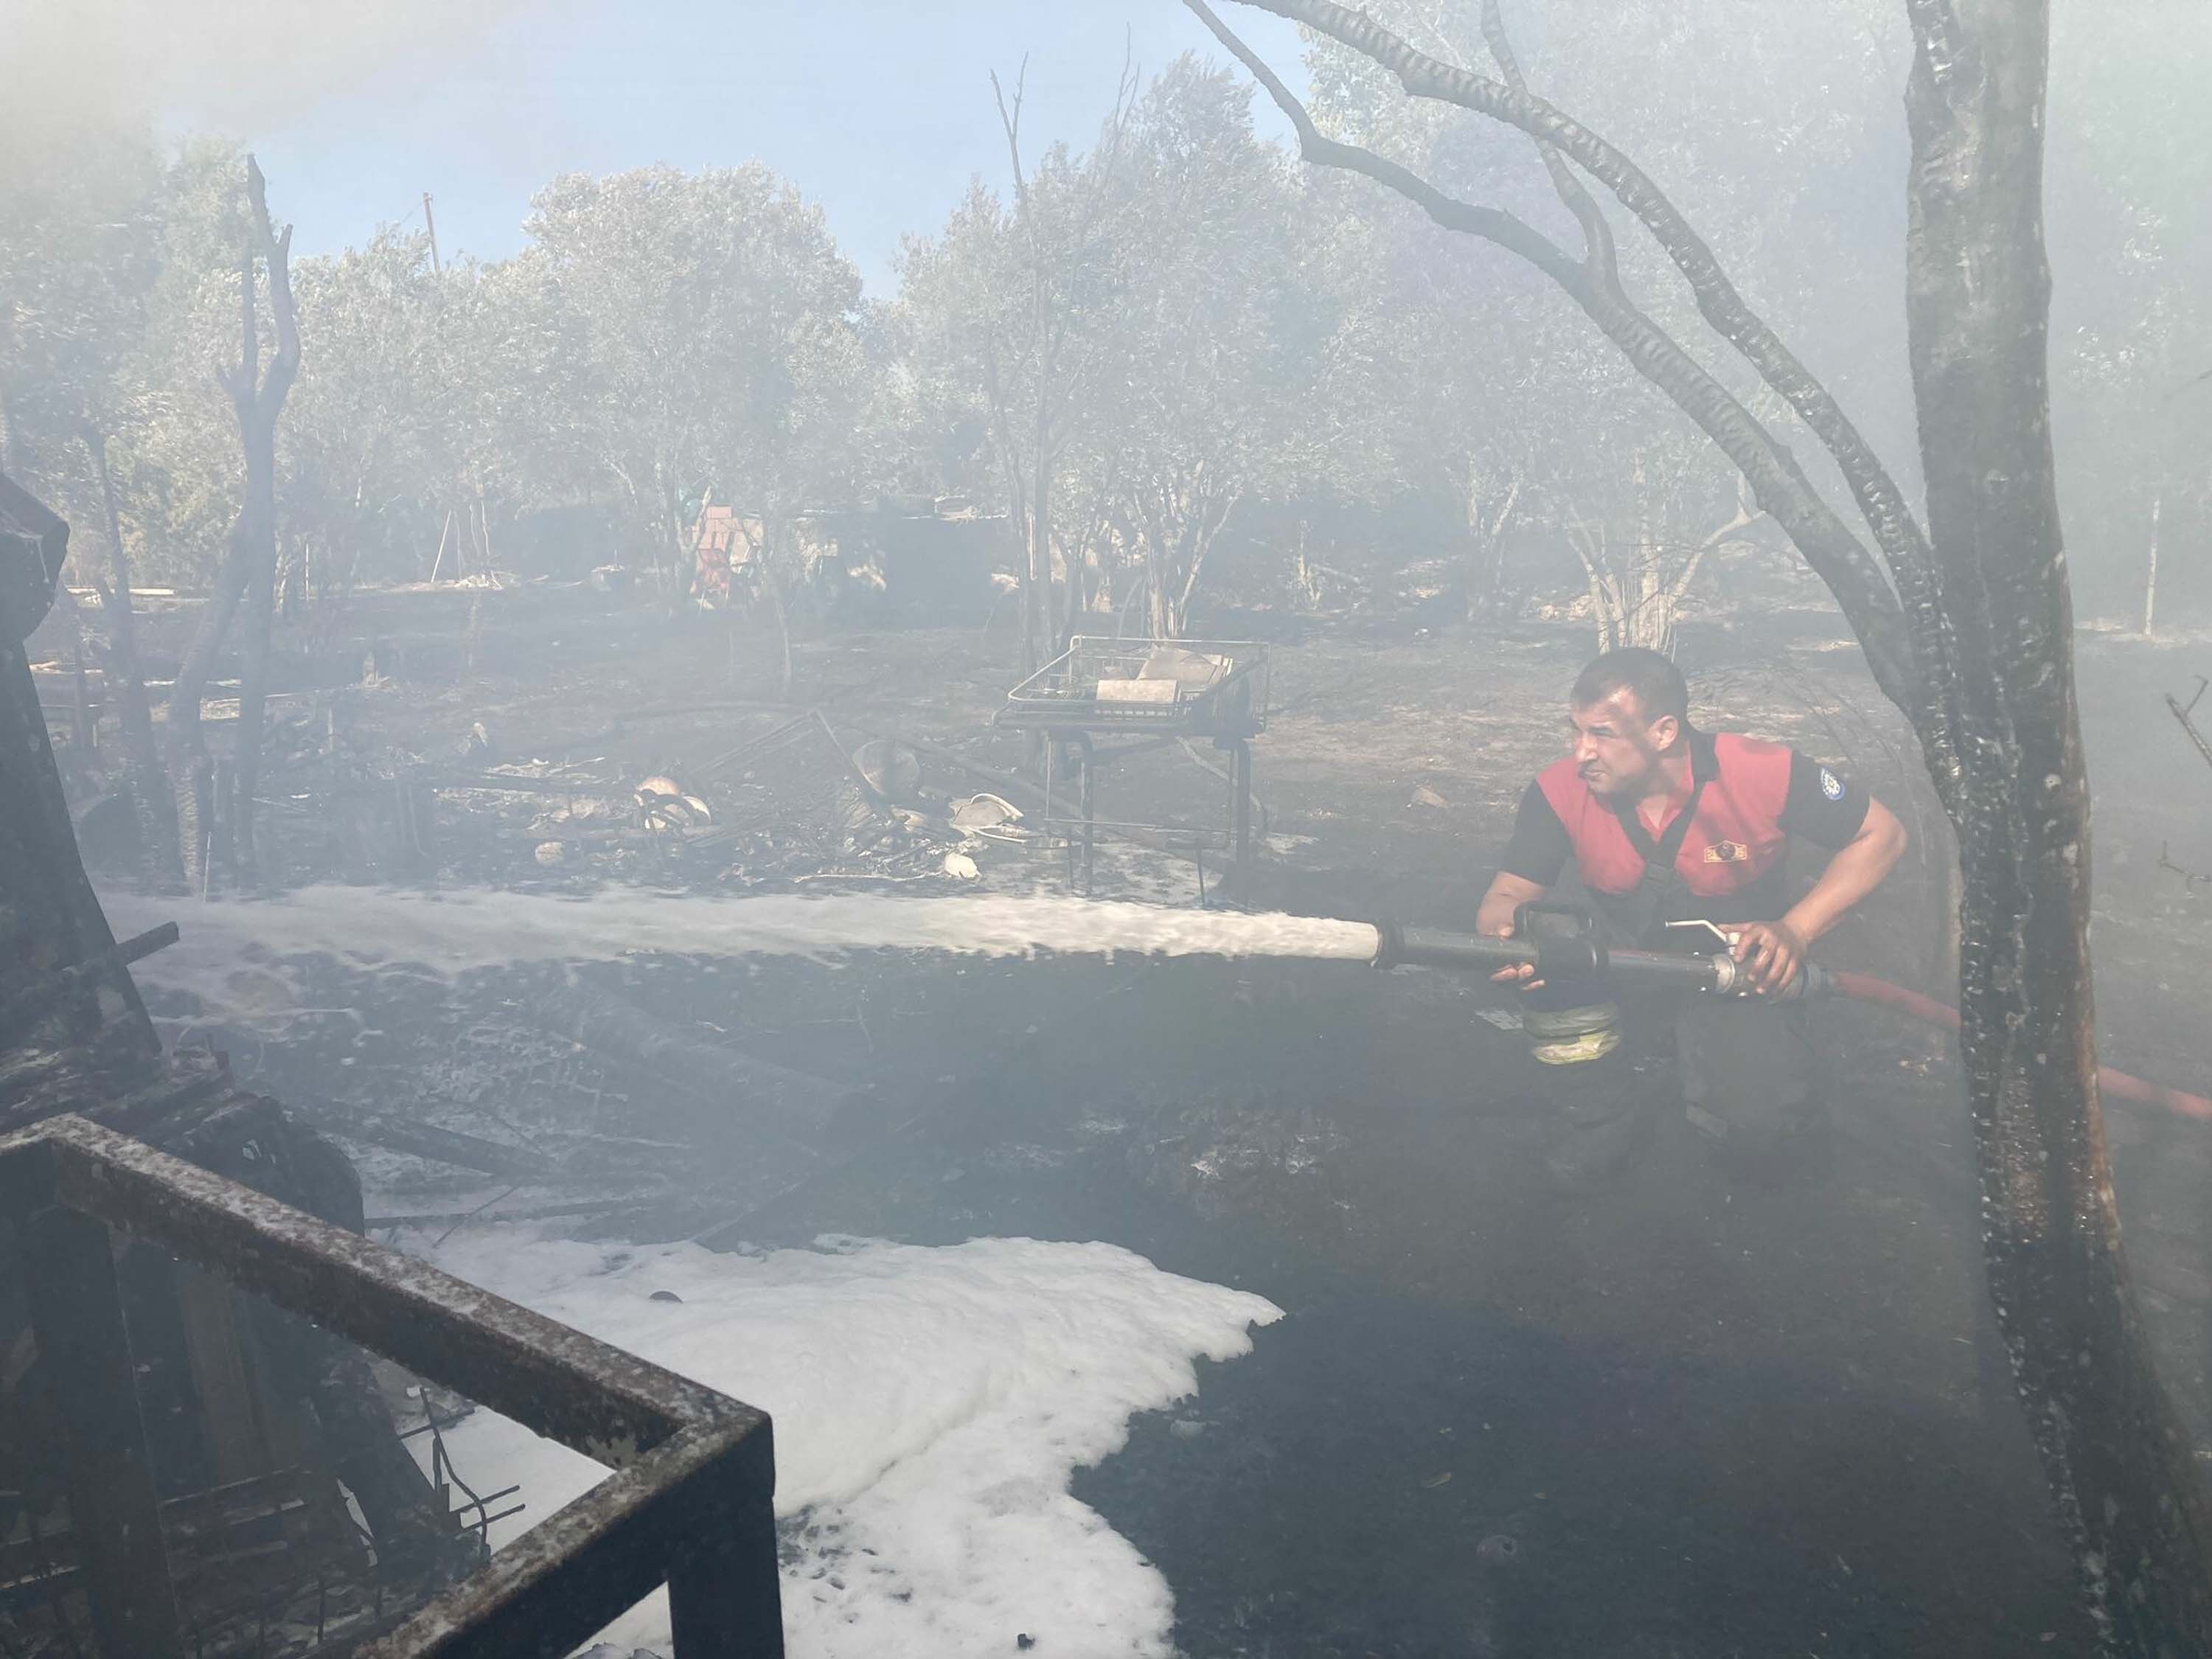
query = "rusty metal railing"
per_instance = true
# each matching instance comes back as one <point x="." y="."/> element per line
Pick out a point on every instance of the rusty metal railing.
<point x="689" y="1501"/>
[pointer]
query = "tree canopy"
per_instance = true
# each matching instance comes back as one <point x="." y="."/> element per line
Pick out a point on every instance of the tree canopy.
<point x="1171" y="358"/>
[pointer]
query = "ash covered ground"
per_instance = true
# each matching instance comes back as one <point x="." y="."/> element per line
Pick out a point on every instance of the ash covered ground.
<point x="1690" y="1418"/>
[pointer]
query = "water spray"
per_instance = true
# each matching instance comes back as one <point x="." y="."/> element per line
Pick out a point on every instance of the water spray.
<point x="456" y="932"/>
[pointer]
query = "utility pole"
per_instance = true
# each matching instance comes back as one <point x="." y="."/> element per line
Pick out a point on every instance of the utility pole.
<point x="431" y="224"/>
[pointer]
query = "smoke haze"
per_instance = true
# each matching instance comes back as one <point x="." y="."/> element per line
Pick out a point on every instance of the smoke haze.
<point x="237" y="66"/>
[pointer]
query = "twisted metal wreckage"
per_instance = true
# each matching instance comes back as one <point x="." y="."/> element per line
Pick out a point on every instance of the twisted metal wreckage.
<point x="182" y="1280"/>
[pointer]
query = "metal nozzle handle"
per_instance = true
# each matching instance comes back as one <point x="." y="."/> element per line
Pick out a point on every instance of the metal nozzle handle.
<point x="1432" y="947"/>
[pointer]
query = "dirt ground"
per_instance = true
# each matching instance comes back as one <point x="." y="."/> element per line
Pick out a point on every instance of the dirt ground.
<point x="1689" y="1417"/>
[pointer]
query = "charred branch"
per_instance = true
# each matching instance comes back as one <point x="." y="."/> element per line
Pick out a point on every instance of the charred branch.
<point x="1780" y="486"/>
<point x="1895" y="531"/>
<point x="2181" y="712"/>
<point x="249" y="567"/>
<point x="1598" y="250"/>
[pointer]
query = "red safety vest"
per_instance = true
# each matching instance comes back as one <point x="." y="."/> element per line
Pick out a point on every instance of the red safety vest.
<point x="1735" y="845"/>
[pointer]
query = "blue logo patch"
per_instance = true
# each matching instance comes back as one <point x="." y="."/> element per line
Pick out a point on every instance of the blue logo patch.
<point x="1830" y="785"/>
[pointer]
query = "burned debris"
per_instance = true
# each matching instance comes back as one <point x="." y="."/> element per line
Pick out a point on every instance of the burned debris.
<point x="186" y="1466"/>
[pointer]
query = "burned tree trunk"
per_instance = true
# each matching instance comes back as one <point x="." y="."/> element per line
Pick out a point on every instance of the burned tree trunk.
<point x="1484" y="581"/>
<point x="1974" y="643"/>
<point x="249" y="567"/>
<point x="1977" y="290"/>
<point x="152" y="804"/>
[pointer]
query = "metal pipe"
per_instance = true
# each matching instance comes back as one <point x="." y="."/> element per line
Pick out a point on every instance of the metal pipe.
<point x="1475" y="953"/>
<point x="1434" y="947"/>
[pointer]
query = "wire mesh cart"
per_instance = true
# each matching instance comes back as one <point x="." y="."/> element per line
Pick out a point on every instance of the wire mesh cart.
<point x="1103" y="701"/>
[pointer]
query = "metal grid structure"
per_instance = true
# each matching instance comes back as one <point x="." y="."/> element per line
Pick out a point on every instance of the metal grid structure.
<point x="1103" y="701"/>
<point x="1192" y="688"/>
<point x="273" y="1555"/>
<point x="689" y="1501"/>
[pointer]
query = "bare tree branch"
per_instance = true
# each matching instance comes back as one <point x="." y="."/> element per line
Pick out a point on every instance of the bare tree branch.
<point x="2181" y="712"/>
<point x="1896" y="531"/>
<point x="249" y="564"/>
<point x="1598" y="251"/>
<point x="1782" y="489"/>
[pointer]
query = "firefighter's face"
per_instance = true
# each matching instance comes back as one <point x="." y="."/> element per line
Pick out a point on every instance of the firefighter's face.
<point x="1616" y="749"/>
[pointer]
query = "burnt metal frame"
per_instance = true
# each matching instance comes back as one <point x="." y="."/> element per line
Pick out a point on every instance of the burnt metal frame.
<point x="689" y="1502"/>
<point x="1077" y="731"/>
<point x="1071" y="749"/>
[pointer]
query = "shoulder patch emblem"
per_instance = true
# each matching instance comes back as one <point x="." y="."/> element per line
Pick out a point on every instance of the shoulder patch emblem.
<point x="1727" y="852"/>
<point x="1830" y="785"/>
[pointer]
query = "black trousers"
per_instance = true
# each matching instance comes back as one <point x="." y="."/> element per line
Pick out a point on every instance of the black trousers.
<point x="1739" y="1069"/>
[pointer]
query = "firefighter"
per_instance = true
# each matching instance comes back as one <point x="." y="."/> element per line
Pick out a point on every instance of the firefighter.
<point x="1665" y="823"/>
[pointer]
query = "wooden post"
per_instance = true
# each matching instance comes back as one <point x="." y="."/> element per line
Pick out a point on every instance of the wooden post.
<point x="2151" y="577"/>
<point x="439" y="564"/>
<point x="431" y="225"/>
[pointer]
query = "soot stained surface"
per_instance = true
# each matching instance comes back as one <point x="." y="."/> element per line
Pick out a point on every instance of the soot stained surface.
<point x="1712" y="1420"/>
<point x="1318" y="1501"/>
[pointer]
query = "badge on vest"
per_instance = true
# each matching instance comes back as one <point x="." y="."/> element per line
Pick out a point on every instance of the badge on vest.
<point x="1830" y="785"/>
<point x="1727" y="852"/>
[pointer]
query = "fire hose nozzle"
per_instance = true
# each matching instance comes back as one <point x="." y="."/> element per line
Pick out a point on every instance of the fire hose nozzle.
<point x="1432" y="947"/>
<point x="1563" y="954"/>
<point x="1729" y="979"/>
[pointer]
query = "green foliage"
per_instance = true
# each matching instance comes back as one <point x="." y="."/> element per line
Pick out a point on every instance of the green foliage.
<point x="1137" y="339"/>
<point x="719" y="323"/>
<point x="113" y="270"/>
<point x="1176" y="339"/>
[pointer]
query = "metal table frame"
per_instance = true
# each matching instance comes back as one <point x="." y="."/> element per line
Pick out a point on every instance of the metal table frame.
<point x="690" y="1504"/>
<point x="1079" y="752"/>
<point x="1079" y="734"/>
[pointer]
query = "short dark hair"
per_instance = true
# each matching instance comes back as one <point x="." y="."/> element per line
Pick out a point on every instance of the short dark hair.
<point x="1656" y="683"/>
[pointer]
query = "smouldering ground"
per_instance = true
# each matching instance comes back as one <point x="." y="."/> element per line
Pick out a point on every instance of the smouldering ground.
<point x="1712" y="1419"/>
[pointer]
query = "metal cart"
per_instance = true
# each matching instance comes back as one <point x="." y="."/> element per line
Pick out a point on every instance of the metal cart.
<point x="1106" y="699"/>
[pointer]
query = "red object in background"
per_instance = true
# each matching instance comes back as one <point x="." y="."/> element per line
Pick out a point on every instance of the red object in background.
<point x="718" y="546"/>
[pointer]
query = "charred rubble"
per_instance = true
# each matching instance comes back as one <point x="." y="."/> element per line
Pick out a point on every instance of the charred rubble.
<point x="259" y="1425"/>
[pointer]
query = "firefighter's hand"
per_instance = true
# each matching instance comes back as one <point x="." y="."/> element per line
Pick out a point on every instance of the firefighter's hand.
<point x="1520" y="974"/>
<point x="1772" y="952"/>
<point x="1496" y="920"/>
<point x="1500" y="906"/>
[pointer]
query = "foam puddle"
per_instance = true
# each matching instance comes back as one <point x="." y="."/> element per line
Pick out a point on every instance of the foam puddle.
<point x="930" y="1406"/>
<point x="474" y="928"/>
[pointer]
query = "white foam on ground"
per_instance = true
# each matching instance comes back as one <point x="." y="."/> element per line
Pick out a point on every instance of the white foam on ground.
<point x="481" y="927"/>
<point x="930" y="1406"/>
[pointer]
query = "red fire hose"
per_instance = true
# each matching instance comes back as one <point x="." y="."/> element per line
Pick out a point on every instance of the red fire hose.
<point x="1865" y="987"/>
<point x="1471" y="953"/>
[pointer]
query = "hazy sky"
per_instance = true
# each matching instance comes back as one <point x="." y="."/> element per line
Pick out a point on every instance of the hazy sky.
<point x="878" y="109"/>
